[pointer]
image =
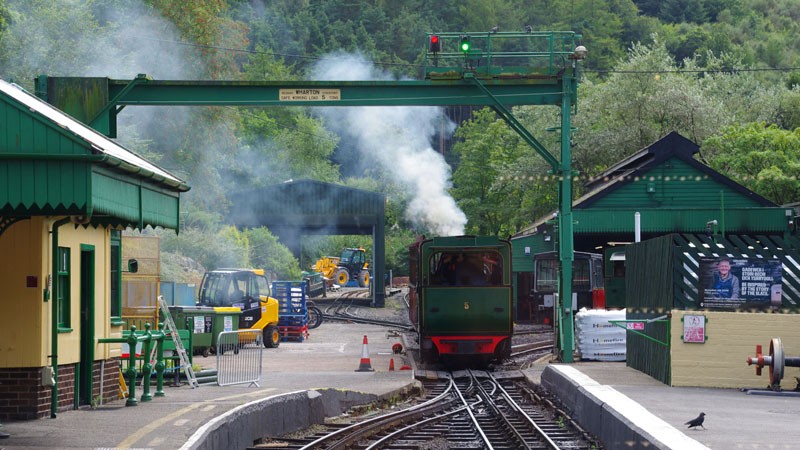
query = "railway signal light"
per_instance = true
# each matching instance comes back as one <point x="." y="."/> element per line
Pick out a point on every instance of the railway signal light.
<point x="434" y="45"/>
<point x="464" y="43"/>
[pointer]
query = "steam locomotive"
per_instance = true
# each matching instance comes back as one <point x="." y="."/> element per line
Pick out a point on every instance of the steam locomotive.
<point x="460" y="298"/>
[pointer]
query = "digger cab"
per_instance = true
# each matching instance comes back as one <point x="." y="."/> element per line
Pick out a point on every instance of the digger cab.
<point x="246" y="289"/>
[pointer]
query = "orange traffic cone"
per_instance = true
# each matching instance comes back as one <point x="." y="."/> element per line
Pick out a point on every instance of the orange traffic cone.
<point x="391" y="364"/>
<point x="365" y="365"/>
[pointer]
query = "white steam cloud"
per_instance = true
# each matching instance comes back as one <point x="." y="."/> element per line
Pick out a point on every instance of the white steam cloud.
<point x="398" y="140"/>
<point x="79" y="38"/>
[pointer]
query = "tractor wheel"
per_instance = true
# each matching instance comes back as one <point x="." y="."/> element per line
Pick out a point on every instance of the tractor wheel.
<point x="342" y="277"/>
<point x="363" y="278"/>
<point x="272" y="336"/>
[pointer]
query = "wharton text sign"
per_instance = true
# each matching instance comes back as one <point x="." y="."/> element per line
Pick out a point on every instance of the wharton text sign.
<point x="733" y="283"/>
<point x="309" y="95"/>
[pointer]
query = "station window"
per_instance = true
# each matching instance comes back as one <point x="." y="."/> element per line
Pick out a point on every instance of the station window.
<point x="63" y="291"/>
<point x="581" y="276"/>
<point x="546" y="275"/>
<point x="115" y="281"/>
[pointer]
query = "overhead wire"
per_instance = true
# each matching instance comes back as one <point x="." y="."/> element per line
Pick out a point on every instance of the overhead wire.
<point x="585" y="70"/>
<point x="261" y="52"/>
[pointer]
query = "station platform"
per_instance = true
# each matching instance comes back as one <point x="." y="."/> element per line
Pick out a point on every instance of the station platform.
<point x="302" y="382"/>
<point x="628" y="409"/>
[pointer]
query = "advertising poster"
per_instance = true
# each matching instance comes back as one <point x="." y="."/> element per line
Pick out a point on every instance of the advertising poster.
<point x="740" y="283"/>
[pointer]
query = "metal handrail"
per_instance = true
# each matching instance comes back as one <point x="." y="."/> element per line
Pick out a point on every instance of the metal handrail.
<point x="147" y="337"/>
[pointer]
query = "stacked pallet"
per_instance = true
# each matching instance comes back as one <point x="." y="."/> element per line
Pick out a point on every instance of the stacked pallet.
<point x="292" y="309"/>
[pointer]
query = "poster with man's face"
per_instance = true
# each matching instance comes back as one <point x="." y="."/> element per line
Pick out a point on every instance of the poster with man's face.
<point x="734" y="283"/>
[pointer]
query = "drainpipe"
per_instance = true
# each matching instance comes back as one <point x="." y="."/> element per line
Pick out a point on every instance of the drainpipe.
<point x="54" y="316"/>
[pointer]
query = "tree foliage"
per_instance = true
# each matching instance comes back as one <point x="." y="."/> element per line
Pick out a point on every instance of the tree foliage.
<point x="764" y="158"/>
<point x="711" y="70"/>
<point x="497" y="184"/>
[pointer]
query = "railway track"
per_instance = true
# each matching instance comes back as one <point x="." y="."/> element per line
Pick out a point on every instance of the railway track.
<point x="345" y="308"/>
<point x="465" y="410"/>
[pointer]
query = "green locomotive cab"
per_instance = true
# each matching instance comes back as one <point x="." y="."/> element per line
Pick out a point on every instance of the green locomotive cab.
<point x="461" y="300"/>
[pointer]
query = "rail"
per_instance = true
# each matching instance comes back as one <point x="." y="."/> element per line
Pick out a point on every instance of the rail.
<point x="470" y="410"/>
<point x="499" y="55"/>
<point x="147" y="338"/>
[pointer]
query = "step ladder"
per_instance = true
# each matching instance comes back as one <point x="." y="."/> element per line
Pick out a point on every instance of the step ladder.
<point x="185" y="364"/>
<point x="123" y="386"/>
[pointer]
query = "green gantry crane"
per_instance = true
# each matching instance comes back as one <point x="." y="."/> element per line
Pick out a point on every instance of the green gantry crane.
<point x="495" y="69"/>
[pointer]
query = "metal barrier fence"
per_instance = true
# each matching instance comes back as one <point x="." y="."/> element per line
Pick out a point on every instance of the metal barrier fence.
<point x="239" y="357"/>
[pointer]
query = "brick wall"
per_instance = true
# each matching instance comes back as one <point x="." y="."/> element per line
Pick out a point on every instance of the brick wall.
<point x="110" y="380"/>
<point x="22" y="396"/>
<point x="732" y="337"/>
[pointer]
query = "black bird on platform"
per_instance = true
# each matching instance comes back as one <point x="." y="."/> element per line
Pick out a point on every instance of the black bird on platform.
<point x="697" y="421"/>
<point x="528" y="29"/>
<point x="494" y="29"/>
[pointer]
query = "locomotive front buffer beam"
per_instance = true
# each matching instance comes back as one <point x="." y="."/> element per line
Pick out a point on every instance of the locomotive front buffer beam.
<point x="776" y="362"/>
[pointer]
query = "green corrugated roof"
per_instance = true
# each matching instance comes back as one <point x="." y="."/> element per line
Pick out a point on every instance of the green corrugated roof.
<point x="52" y="164"/>
<point x="677" y="192"/>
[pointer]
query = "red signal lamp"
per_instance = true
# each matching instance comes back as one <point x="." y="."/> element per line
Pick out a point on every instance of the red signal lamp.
<point x="434" y="44"/>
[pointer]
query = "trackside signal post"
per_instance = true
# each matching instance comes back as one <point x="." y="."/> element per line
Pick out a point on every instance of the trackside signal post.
<point x="495" y="69"/>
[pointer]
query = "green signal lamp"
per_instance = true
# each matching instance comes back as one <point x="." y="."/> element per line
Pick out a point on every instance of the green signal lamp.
<point x="464" y="43"/>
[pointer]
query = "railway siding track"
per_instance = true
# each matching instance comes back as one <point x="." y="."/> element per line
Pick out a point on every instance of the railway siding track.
<point x="465" y="410"/>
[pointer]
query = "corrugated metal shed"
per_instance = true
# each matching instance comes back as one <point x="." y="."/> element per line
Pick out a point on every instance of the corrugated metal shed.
<point x="51" y="164"/>
<point x="672" y="191"/>
<point x="296" y="208"/>
<point x="315" y="207"/>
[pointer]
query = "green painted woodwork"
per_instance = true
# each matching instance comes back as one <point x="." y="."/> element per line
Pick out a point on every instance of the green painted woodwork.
<point x="690" y="220"/>
<point x="49" y="170"/>
<point x="115" y="281"/>
<point x="522" y="262"/>
<point x="85" y="371"/>
<point x="662" y="274"/>
<point x="675" y="183"/>
<point x="43" y="187"/>
<point x="467" y="308"/>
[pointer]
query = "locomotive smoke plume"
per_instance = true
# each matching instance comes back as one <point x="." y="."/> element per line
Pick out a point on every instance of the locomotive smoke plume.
<point x="396" y="139"/>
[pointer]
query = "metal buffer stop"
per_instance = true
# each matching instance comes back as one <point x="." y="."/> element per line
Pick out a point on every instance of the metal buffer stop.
<point x="776" y="361"/>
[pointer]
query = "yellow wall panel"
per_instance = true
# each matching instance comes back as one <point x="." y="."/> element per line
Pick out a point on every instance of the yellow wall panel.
<point x="22" y="324"/>
<point x="25" y="325"/>
<point x="732" y="337"/>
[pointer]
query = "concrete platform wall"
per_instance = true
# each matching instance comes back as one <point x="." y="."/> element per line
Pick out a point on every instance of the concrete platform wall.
<point x="614" y="418"/>
<point x="273" y="416"/>
<point x="732" y="337"/>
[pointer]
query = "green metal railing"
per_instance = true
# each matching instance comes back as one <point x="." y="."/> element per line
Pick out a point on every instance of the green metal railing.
<point x="500" y="54"/>
<point x="147" y="338"/>
<point x="637" y="326"/>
